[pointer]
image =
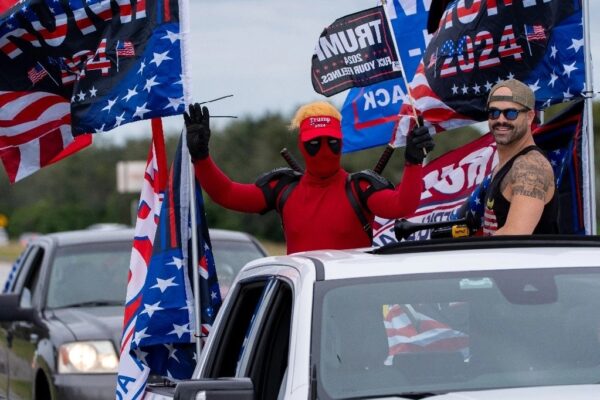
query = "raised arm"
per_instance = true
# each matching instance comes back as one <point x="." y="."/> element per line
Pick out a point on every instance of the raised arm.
<point x="221" y="189"/>
<point x="529" y="185"/>
<point x="404" y="199"/>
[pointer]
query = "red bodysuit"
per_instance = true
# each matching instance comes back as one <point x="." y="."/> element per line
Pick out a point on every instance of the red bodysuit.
<point x="317" y="213"/>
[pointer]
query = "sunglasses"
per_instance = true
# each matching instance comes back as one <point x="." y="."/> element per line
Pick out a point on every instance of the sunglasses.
<point x="509" y="113"/>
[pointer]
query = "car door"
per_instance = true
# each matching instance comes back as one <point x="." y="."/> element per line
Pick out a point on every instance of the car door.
<point x="22" y="336"/>
<point x="254" y="339"/>
<point x="5" y="339"/>
<point x="266" y="362"/>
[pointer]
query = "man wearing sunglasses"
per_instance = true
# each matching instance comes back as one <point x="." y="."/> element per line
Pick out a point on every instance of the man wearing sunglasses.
<point x="325" y="206"/>
<point x="521" y="198"/>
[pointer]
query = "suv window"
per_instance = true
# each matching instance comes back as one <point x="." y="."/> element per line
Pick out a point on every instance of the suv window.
<point x="24" y="265"/>
<point x="268" y="361"/>
<point x="255" y="339"/>
<point x="238" y="322"/>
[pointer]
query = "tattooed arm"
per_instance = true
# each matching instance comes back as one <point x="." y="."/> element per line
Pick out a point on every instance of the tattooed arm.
<point x="528" y="186"/>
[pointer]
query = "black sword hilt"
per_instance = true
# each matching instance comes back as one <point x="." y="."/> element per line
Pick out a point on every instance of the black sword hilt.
<point x="289" y="158"/>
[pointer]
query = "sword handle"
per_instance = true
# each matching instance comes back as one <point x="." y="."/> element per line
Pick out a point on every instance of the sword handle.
<point x="383" y="159"/>
<point x="289" y="158"/>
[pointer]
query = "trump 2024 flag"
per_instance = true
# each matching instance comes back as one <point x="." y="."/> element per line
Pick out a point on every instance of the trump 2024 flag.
<point x="77" y="67"/>
<point x="356" y="50"/>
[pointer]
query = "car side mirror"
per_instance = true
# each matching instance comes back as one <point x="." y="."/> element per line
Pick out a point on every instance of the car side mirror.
<point x="215" y="389"/>
<point x="11" y="310"/>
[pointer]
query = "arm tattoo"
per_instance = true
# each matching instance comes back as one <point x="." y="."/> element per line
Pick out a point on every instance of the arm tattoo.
<point x="531" y="175"/>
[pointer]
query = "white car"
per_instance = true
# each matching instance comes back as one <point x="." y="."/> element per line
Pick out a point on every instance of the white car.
<point x="475" y="318"/>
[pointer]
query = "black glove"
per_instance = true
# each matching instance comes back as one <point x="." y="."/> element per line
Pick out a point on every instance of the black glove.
<point x="198" y="131"/>
<point x="417" y="140"/>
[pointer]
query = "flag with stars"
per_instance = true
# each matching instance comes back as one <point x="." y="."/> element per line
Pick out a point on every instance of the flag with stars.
<point x="165" y="336"/>
<point x="83" y="67"/>
<point x="133" y="373"/>
<point x="479" y="45"/>
<point x="461" y="175"/>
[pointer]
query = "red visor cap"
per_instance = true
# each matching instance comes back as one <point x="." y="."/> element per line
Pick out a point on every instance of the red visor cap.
<point x="320" y="125"/>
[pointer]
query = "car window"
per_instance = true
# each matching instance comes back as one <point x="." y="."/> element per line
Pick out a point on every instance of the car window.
<point x="230" y="256"/>
<point x="238" y="320"/>
<point x="254" y="341"/>
<point x="22" y="266"/>
<point x="93" y="273"/>
<point x="459" y="331"/>
<point x="268" y="360"/>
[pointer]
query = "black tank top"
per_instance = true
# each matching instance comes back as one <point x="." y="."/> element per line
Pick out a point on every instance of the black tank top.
<point x="496" y="206"/>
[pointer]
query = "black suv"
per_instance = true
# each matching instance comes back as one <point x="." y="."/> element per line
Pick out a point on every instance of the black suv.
<point x="61" y="316"/>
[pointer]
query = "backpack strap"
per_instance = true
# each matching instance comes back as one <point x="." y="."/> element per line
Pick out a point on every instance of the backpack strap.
<point x="358" y="197"/>
<point x="285" y="179"/>
<point x="376" y="183"/>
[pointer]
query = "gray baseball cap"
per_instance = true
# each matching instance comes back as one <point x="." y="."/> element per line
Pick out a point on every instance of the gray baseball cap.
<point x="521" y="93"/>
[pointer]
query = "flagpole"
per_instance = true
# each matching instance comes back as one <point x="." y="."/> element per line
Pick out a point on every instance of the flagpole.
<point x="389" y="149"/>
<point x="391" y="28"/>
<point x="589" y="88"/>
<point x="184" y="24"/>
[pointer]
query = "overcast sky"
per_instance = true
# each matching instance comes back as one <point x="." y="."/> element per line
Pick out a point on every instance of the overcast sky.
<point x="260" y="51"/>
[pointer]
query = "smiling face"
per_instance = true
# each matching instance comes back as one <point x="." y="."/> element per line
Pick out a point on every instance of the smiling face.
<point x="506" y="131"/>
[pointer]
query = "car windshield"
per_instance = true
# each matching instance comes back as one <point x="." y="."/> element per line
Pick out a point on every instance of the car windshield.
<point x="439" y="333"/>
<point x="89" y="274"/>
<point x="96" y="274"/>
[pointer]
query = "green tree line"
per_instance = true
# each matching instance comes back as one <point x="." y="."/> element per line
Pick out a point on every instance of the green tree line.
<point x="81" y="190"/>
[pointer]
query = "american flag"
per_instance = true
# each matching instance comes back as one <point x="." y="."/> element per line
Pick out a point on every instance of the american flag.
<point x="85" y="92"/>
<point x="37" y="73"/>
<point x="35" y="131"/>
<point x="125" y="49"/>
<point x="132" y="373"/>
<point x="535" y="32"/>
<point x="490" y="223"/>
<point x="411" y="331"/>
<point x="164" y="335"/>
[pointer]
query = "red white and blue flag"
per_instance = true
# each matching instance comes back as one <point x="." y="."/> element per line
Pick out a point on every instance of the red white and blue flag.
<point x="535" y="32"/>
<point x="132" y="373"/>
<point x="409" y="330"/>
<point x="37" y="73"/>
<point x="370" y="114"/>
<point x="77" y="67"/>
<point x="452" y="71"/>
<point x="164" y="333"/>
<point x="476" y="46"/>
<point x="125" y="49"/>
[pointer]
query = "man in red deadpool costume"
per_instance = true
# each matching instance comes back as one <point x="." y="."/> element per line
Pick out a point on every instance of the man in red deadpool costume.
<point x="324" y="207"/>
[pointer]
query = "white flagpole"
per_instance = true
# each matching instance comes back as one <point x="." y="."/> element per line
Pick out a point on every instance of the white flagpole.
<point x="391" y="28"/>
<point x="589" y="125"/>
<point x="184" y="26"/>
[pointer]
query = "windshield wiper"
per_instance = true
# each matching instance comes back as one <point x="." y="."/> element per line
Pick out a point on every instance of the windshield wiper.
<point x="417" y="395"/>
<point x="94" y="303"/>
<point x="406" y="395"/>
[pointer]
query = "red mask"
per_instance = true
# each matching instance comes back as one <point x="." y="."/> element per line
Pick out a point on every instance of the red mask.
<point x="322" y="155"/>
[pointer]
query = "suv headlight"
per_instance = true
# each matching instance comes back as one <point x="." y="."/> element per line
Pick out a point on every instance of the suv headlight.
<point x="93" y="357"/>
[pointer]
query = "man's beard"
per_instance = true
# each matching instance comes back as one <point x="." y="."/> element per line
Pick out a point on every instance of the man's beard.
<point x="509" y="137"/>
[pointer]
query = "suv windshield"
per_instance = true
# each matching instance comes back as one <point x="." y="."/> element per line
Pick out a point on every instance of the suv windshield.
<point x="92" y="274"/>
<point x="96" y="273"/>
<point x="457" y="331"/>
